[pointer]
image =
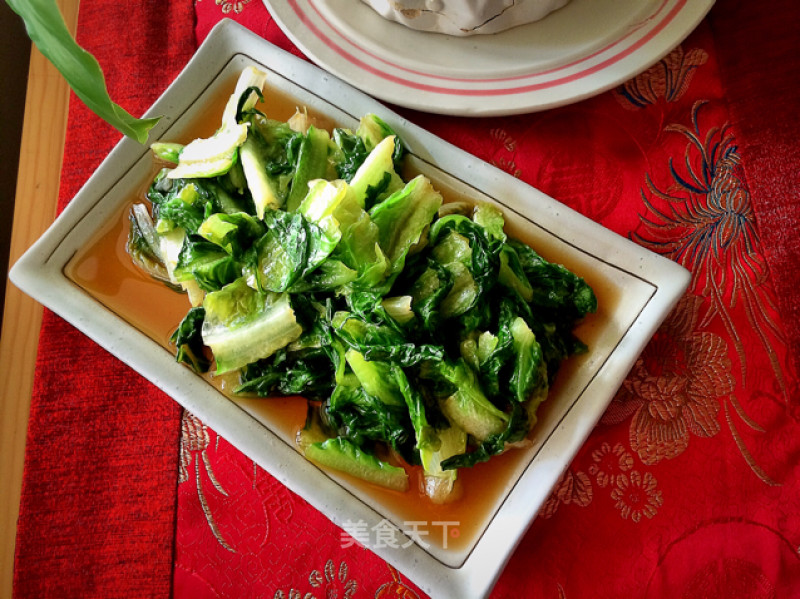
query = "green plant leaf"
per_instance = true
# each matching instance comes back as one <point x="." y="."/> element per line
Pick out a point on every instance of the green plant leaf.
<point x="46" y="28"/>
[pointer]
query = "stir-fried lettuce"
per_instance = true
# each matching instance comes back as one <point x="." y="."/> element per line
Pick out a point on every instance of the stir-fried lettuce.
<point x="419" y="332"/>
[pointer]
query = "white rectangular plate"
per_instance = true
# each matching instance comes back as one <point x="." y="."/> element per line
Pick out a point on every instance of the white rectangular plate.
<point x="636" y="289"/>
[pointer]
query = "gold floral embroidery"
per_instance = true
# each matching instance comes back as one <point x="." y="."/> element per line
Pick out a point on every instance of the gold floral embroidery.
<point x="293" y="594"/>
<point x="707" y="224"/>
<point x="669" y="79"/>
<point x="610" y="463"/>
<point x="705" y="221"/>
<point x="508" y="144"/>
<point x="572" y="488"/>
<point x="235" y="6"/>
<point x="501" y="136"/>
<point x="508" y="166"/>
<point x="636" y="495"/>
<point x="395" y="589"/>
<point x="331" y="580"/>
<point x="677" y="383"/>
<point x="193" y="449"/>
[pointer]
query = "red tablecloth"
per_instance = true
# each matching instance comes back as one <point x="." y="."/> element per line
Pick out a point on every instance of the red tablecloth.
<point x="688" y="486"/>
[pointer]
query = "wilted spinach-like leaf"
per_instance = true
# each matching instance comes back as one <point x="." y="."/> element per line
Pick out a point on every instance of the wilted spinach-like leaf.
<point x="306" y="373"/>
<point x="403" y="217"/>
<point x="235" y="233"/>
<point x="189" y="341"/>
<point x="352" y="153"/>
<point x="555" y="287"/>
<point x="380" y="342"/>
<point x="282" y="251"/>
<point x="359" y="417"/>
<point x="209" y="265"/>
<point x="183" y="207"/>
<point x="427" y="293"/>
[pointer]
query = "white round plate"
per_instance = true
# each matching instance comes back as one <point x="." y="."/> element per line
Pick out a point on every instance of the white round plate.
<point x="583" y="49"/>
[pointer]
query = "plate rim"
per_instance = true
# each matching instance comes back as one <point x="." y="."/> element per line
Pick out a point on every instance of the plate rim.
<point x="39" y="273"/>
<point x="309" y="29"/>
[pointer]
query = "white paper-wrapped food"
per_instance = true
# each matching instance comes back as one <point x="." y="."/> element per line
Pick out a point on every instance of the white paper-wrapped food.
<point x="464" y="17"/>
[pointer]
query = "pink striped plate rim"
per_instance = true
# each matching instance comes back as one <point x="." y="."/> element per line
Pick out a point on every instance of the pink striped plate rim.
<point x="583" y="49"/>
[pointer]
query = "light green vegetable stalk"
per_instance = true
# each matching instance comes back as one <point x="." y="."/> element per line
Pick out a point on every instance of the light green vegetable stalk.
<point x="242" y="325"/>
<point x="46" y="28"/>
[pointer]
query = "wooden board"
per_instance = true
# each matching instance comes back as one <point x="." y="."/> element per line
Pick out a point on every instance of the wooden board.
<point x="38" y="177"/>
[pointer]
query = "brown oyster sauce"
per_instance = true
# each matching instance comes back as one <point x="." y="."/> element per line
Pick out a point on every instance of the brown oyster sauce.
<point x="104" y="270"/>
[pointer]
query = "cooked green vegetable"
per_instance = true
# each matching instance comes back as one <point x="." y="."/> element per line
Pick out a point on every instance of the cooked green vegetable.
<point x="467" y="406"/>
<point x="188" y="339"/>
<point x="419" y="333"/>
<point x="144" y="244"/>
<point x="343" y="455"/>
<point x="243" y="325"/>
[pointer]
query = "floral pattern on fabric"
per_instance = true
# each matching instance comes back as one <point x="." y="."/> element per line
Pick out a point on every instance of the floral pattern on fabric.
<point x="636" y="495"/>
<point x="675" y="387"/>
<point x="708" y="225"/>
<point x="230" y="6"/>
<point x="194" y="445"/>
<point x="240" y="512"/>
<point x="572" y="488"/>
<point x="395" y="588"/>
<point x="609" y="464"/>
<point x="331" y="582"/>
<point x="633" y="493"/>
<point x="669" y="79"/>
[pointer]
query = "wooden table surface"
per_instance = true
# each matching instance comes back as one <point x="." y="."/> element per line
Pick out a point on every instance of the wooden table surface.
<point x="34" y="210"/>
